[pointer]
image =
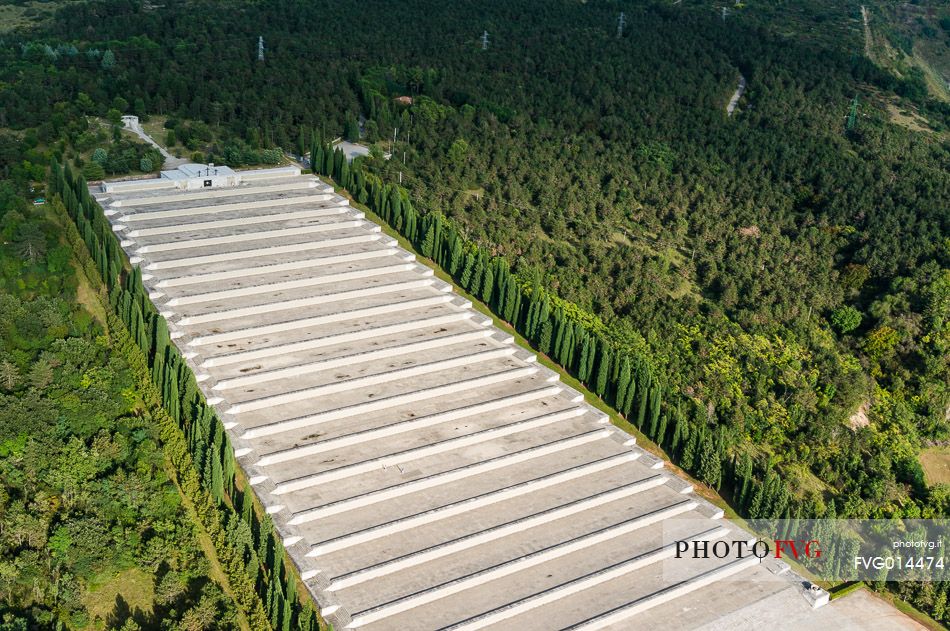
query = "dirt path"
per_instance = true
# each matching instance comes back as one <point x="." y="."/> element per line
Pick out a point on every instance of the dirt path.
<point x="170" y="161"/>
<point x="867" y="31"/>
<point x="207" y="546"/>
<point x="734" y="101"/>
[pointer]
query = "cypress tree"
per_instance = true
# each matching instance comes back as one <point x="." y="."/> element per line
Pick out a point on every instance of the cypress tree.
<point x="577" y="332"/>
<point x="688" y="458"/>
<point x="171" y="402"/>
<point x="291" y="587"/>
<point x="316" y="157"/>
<point x="395" y="209"/>
<point x="141" y="332"/>
<point x="545" y="313"/>
<point x="345" y="175"/>
<point x="623" y="383"/>
<point x="265" y="528"/>
<point x="247" y="508"/>
<point x="512" y="301"/>
<point x="544" y="339"/>
<point x="660" y="437"/>
<point x="531" y="319"/>
<point x="207" y="470"/>
<point x="114" y="268"/>
<point x="677" y="434"/>
<point x="127" y="310"/>
<point x="488" y="285"/>
<point x="567" y="344"/>
<point x="327" y="161"/>
<point x="338" y="160"/>
<point x="744" y="481"/>
<point x="217" y="475"/>
<point x="411" y="218"/>
<point x="709" y="467"/>
<point x="229" y="465"/>
<point x="437" y="249"/>
<point x="477" y="274"/>
<point x="286" y="615"/>
<point x="455" y="254"/>
<point x="559" y="326"/>
<point x="160" y="337"/>
<point x="307" y="621"/>
<point x="135" y="283"/>
<point x="758" y="499"/>
<point x="515" y="306"/>
<point x="467" y="272"/>
<point x="271" y="604"/>
<point x="644" y="379"/>
<point x="654" y="407"/>
<point x="595" y="343"/>
<point x="582" y="364"/>
<point x="428" y="242"/>
<point x="603" y="371"/>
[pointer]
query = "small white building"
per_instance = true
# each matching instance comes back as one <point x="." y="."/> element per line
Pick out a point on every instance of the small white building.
<point x="191" y="176"/>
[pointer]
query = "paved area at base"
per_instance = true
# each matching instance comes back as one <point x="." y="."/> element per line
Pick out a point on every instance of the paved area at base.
<point x="423" y="471"/>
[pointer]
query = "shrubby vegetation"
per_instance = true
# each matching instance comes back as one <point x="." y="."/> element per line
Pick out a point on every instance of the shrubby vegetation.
<point x="85" y="496"/>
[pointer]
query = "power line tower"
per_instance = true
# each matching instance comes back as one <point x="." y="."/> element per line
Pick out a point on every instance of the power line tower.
<point x="485" y="40"/>
<point x="725" y="12"/>
<point x="621" y="22"/>
<point x="853" y="114"/>
<point x="260" y="48"/>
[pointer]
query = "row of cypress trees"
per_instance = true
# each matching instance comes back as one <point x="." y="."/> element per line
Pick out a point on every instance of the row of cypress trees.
<point x="618" y="371"/>
<point x="261" y="554"/>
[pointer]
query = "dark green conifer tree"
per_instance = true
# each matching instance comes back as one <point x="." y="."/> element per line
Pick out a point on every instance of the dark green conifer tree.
<point x="603" y="371"/>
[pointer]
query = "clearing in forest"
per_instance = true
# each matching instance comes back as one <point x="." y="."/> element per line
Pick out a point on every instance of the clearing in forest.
<point x="936" y="464"/>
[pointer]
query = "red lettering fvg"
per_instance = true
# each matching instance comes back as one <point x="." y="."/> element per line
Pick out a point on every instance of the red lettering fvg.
<point x="741" y="549"/>
<point x="806" y="548"/>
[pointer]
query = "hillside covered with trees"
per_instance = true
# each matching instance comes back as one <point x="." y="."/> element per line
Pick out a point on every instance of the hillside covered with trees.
<point x="784" y="271"/>
<point x="93" y="532"/>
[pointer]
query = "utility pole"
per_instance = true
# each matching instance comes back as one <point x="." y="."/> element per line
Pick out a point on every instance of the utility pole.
<point x="260" y="48"/>
<point x="484" y="40"/>
<point x="853" y="114"/>
<point x="621" y="22"/>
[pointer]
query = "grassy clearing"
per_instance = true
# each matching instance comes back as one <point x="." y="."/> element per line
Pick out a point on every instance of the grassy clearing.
<point x="87" y="297"/>
<point x="936" y="464"/>
<point x="803" y="480"/>
<point x="906" y="118"/>
<point x="155" y="127"/>
<point x="85" y="294"/>
<point x="29" y="15"/>
<point x="134" y="586"/>
<point x="476" y="193"/>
